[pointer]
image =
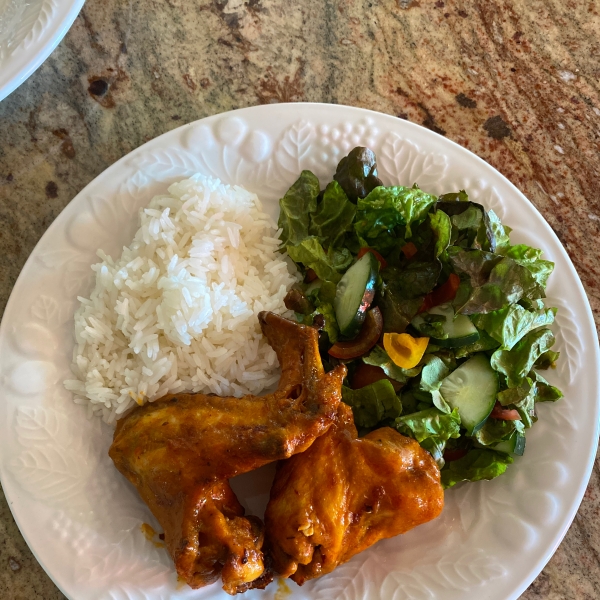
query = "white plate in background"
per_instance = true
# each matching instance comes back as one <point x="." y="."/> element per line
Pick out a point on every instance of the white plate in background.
<point x="29" y="32"/>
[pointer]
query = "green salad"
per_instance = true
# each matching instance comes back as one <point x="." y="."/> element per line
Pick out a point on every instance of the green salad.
<point x="439" y="319"/>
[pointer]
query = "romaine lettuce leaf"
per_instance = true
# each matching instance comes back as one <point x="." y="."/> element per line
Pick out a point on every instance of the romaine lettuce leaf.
<point x="430" y="423"/>
<point x="477" y="464"/>
<point x="373" y="403"/>
<point x="515" y="364"/>
<point x="357" y="173"/>
<point x="508" y="325"/>
<point x="310" y="253"/>
<point x="386" y="207"/>
<point x="333" y="216"/>
<point x="497" y="430"/>
<point x="296" y="207"/>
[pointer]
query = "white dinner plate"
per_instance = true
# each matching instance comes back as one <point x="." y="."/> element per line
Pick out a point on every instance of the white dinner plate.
<point x="29" y="31"/>
<point x="80" y="516"/>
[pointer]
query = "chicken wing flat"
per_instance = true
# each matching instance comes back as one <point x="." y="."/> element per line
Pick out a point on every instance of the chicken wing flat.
<point x="344" y="494"/>
<point x="180" y="451"/>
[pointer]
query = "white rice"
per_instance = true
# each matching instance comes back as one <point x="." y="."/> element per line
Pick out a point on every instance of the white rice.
<point x="178" y="310"/>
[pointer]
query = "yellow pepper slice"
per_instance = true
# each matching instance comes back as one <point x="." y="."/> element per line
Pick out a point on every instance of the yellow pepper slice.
<point x="405" y="350"/>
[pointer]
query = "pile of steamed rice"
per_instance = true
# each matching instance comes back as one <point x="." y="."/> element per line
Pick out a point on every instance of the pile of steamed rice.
<point x="178" y="310"/>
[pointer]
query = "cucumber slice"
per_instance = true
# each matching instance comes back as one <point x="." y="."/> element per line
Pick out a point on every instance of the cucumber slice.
<point x="354" y="294"/>
<point x="472" y="388"/>
<point x="458" y="329"/>
<point x="515" y="444"/>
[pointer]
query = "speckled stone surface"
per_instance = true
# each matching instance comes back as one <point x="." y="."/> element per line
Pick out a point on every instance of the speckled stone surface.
<point x="515" y="81"/>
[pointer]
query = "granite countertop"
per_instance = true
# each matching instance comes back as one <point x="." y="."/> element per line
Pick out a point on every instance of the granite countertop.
<point x="515" y="81"/>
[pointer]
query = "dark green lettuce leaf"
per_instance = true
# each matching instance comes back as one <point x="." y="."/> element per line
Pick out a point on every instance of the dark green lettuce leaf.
<point x="333" y="216"/>
<point x="489" y="281"/>
<point x="357" y="173"/>
<point x="403" y="289"/>
<point x="530" y="258"/>
<point x="378" y="357"/>
<point x="373" y="403"/>
<point x="310" y="253"/>
<point x="431" y="325"/>
<point x="483" y="344"/>
<point x="544" y="392"/>
<point x="397" y="310"/>
<point x="416" y="279"/>
<point x="497" y="430"/>
<point x="515" y="364"/>
<point x="430" y="423"/>
<point x="547" y="360"/>
<point x="470" y="225"/>
<point x="387" y="207"/>
<point x="508" y="325"/>
<point x="442" y="229"/>
<point x="460" y="196"/>
<point x="476" y="465"/>
<point x="327" y="321"/>
<point x="296" y="207"/>
<point x="521" y="397"/>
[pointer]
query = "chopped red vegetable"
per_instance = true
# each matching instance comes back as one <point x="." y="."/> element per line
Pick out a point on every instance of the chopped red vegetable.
<point x="442" y="294"/>
<point x="367" y="337"/>
<point x="310" y="276"/>
<point x="367" y="374"/>
<point x="376" y="254"/>
<point x="452" y="454"/>
<point x="409" y="250"/>
<point x="505" y="414"/>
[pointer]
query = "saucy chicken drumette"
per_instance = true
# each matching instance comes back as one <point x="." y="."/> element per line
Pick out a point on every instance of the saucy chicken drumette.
<point x="344" y="494"/>
<point x="181" y="450"/>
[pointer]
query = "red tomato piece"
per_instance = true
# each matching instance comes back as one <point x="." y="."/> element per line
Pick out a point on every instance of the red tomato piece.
<point x="505" y="414"/>
<point x="310" y="276"/>
<point x="452" y="454"/>
<point x="367" y="374"/>
<point x="442" y="294"/>
<point x="376" y="254"/>
<point x="409" y="250"/>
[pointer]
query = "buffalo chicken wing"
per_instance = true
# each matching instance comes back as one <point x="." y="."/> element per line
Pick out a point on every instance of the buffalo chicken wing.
<point x="344" y="494"/>
<point x="180" y="451"/>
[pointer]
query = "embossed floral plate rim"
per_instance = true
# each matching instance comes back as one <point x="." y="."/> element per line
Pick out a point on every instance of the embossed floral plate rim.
<point x="53" y="463"/>
<point x="43" y="26"/>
